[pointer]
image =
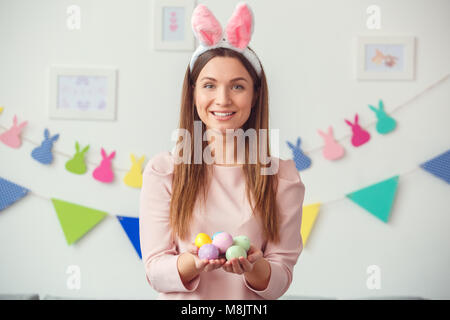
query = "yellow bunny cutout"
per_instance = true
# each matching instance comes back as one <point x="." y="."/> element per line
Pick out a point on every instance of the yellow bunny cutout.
<point x="133" y="178"/>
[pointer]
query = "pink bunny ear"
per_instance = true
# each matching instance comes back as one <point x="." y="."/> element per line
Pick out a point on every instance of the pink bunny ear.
<point x="112" y="155"/>
<point x="103" y="153"/>
<point x="23" y="124"/>
<point x="205" y="26"/>
<point x="240" y="26"/>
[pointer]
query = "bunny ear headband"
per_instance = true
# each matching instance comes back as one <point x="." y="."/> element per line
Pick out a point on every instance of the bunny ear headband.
<point x="238" y="33"/>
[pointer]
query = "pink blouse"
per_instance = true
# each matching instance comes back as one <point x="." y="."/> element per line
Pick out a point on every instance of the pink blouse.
<point x="226" y="209"/>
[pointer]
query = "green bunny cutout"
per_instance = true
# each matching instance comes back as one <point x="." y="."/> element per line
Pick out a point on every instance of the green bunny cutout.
<point x="76" y="164"/>
<point x="385" y="123"/>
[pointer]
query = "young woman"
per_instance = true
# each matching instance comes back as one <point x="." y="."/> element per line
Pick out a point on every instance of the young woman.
<point x="224" y="91"/>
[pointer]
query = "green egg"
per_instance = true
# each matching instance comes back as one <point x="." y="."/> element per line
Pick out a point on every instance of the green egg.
<point x="242" y="241"/>
<point x="235" y="252"/>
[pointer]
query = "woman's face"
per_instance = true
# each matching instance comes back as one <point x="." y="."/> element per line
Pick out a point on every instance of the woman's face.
<point x="223" y="94"/>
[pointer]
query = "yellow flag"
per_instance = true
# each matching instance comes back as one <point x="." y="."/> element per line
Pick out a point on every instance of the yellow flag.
<point x="309" y="216"/>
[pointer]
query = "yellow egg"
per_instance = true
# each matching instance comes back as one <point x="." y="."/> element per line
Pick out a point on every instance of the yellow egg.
<point x="201" y="239"/>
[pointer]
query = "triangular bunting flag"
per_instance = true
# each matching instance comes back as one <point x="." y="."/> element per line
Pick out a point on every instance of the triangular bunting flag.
<point x="439" y="166"/>
<point x="10" y="193"/>
<point x="377" y="198"/>
<point x="76" y="220"/>
<point x="309" y="215"/>
<point x="131" y="227"/>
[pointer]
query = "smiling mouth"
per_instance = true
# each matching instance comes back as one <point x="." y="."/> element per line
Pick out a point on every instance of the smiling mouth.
<point x="223" y="114"/>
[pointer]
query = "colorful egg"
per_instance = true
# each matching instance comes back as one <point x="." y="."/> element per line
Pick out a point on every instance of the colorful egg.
<point x="215" y="234"/>
<point x="202" y="239"/>
<point x="242" y="241"/>
<point x="235" y="252"/>
<point x="223" y="241"/>
<point x="208" y="251"/>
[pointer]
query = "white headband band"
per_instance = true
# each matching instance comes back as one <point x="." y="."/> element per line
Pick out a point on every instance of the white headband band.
<point x="236" y="37"/>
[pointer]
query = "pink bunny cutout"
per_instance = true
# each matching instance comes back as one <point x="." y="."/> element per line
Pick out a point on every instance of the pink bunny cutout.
<point x="360" y="136"/>
<point x="11" y="137"/>
<point x="209" y="31"/>
<point x="103" y="172"/>
<point x="332" y="149"/>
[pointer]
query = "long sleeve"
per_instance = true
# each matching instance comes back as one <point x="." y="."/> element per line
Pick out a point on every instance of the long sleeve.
<point x="283" y="256"/>
<point x="159" y="252"/>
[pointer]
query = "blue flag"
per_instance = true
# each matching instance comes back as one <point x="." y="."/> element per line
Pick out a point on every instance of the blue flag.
<point x="131" y="227"/>
<point x="10" y="193"/>
<point x="439" y="166"/>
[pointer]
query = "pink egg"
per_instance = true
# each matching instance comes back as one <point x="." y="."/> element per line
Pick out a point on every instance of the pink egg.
<point x="223" y="241"/>
<point x="208" y="251"/>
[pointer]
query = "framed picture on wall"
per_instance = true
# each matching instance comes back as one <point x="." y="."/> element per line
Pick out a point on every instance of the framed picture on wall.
<point x="172" y="25"/>
<point x="84" y="93"/>
<point x="385" y="58"/>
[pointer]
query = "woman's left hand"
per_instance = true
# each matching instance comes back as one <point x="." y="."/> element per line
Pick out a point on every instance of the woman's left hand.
<point x="241" y="265"/>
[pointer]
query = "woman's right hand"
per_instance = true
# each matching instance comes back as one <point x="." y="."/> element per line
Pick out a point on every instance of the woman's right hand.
<point x="190" y="265"/>
<point x="204" y="264"/>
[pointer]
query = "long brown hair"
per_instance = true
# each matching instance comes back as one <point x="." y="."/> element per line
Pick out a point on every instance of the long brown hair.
<point x="191" y="180"/>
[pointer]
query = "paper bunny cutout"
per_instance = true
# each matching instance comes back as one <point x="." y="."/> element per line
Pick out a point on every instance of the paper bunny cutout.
<point x="76" y="164"/>
<point x="103" y="172"/>
<point x="11" y="137"/>
<point x="43" y="153"/>
<point x="360" y="136"/>
<point x="133" y="178"/>
<point x="332" y="150"/>
<point x="385" y="123"/>
<point x="301" y="160"/>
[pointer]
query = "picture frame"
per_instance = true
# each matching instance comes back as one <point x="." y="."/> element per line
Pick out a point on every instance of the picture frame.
<point x="82" y="93"/>
<point x="385" y="57"/>
<point x="172" y="25"/>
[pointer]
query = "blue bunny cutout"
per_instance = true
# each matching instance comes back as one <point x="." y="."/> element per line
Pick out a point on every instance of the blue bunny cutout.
<point x="43" y="153"/>
<point x="301" y="160"/>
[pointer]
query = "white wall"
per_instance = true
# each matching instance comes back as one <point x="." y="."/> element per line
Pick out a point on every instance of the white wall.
<point x="307" y="50"/>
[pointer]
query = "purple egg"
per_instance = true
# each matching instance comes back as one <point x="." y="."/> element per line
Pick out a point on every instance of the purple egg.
<point x="223" y="241"/>
<point x="208" y="251"/>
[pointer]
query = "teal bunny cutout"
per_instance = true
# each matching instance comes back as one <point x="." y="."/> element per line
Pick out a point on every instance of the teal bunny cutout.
<point x="385" y="123"/>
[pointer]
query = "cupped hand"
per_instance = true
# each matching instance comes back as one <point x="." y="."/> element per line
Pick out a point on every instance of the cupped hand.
<point x="241" y="265"/>
<point x="204" y="264"/>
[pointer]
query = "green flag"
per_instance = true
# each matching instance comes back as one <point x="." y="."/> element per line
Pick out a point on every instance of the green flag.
<point x="76" y="220"/>
<point x="377" y="198"/>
